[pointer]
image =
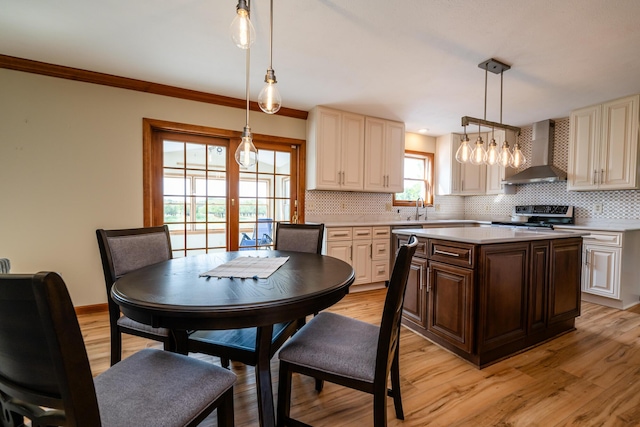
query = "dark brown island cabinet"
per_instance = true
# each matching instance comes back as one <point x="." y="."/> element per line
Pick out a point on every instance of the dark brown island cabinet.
<point x="487" y="301"/>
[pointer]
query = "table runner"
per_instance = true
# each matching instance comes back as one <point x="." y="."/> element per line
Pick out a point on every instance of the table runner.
<point x="247" y="268"/>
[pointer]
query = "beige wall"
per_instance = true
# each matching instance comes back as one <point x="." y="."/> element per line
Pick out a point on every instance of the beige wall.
<point x="71" y="162"/>
<point x="418" y="142"/>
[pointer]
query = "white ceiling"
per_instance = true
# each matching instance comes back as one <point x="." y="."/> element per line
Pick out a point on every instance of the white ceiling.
<point x="413" y="60"/>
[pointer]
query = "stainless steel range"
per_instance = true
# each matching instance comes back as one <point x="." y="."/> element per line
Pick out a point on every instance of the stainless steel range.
<point x="539" y="216"/>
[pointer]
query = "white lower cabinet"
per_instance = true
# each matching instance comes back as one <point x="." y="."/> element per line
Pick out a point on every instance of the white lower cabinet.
<point x="366" y="249"/>
<point x="610" y="268"/>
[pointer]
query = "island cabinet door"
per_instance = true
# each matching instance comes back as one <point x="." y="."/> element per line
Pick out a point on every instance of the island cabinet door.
<point x="415" y="297"/>
<point x="502" y="294"/>
<point x="450" y="311"/>
<point x="564" y="283"/>
<point x="538" y="287"/>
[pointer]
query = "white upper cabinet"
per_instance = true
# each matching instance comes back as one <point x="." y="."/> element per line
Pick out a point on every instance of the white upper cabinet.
<point x="455" y="178"/>
<point x="384" y="156"/>
<point x="346" y="155"/>
<point x="603" y="146"/>
<point x="336" y="150"/>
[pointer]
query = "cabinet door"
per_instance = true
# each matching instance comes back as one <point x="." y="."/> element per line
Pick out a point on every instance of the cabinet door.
<point x="502" y="285"/>
<point x="352" y="162"/>
<point x="340" y="250"/>
<point x="538" y="286"/>
<point x="362" y="261"/>
<point x="583" y="148"/>
<point x="472" y="178"/>
<point x="619" y="144"/>
<point x="415" y="297"/>
<point x="601" y="270"/>
<point x="374" y="153"/>
<point x="394" y="157"/>
<point x="450" y="310"/>
<point x="328" y="149"/>
<point x="564" y="279"/>
<point x="496" y="173"/>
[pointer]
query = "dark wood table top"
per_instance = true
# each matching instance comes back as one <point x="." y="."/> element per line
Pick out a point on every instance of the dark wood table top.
<point x="172" y="294"/>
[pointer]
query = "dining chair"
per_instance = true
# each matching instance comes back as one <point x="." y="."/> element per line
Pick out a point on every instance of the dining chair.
<point x="123" y="251"/>
<point x="45" y="374"/>
<point x="349" y="352"/>
<point x="240" y="344"/>
<point x="299" y="237"/>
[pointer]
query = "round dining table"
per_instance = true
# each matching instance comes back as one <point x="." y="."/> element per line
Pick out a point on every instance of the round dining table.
<point x="173" y="294"/>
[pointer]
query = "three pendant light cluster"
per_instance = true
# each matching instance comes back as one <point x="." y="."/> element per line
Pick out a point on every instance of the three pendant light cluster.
<point x="477" y="154"/>
<point x="243" y="34"/>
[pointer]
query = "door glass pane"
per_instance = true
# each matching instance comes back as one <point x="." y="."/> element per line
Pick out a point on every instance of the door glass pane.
<point x="283" y="162"/>
<point x="173" y="154"/>
<point x="266" y="161"/>
<point x="196" y="156"/>
<point x="195" y="195"/>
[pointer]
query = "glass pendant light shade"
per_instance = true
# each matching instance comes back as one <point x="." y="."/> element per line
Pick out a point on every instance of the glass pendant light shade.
<point x="463" y="154"/>
<point x="492" y="153"/>
<point x="246" y="153"/>
<point x="242" y="31"/>
<point x="479" y="154"/>
<point x="518" y="157"/>
<point x="269" y="99"/>
<point x="505" y="158"/>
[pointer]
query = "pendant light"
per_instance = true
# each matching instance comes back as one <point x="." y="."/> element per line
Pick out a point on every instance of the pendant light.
<point x="463" y="154"/>
<point x="518" y="158"/>
<point x="492" y="151"/>
<point x="246" y="153"/>
<point x="479" y="154"/>
<point x="242" y="31"/>
<point x="490" y="156"/>
<point x="269" y="99"/>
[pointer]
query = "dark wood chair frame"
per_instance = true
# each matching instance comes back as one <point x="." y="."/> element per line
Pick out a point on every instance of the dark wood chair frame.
<point x="54" y="385"/>
<point x="387" y="356"/>
<point x="108" y="267"/>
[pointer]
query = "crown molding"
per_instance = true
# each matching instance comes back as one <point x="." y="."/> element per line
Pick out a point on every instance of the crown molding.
<point x="59" y="71"/>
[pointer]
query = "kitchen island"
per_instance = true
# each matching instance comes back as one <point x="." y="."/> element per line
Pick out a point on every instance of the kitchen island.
<point x="486" y="293"/>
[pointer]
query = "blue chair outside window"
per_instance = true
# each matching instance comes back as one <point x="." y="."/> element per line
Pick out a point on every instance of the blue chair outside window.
<point x="262" y="235"/>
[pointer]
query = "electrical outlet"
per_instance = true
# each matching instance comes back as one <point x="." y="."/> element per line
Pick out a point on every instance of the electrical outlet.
<point x="597" y="208"/>
<point x="387" y="207"/>
<point x="438" y="207"/>
<point x="486" y="208"/>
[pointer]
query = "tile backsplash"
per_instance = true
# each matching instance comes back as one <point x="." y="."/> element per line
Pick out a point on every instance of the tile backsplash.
<point x="615" y="204"/>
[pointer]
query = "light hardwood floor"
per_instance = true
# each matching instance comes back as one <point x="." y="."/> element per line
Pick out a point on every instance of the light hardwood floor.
<point x="589" y="377"/>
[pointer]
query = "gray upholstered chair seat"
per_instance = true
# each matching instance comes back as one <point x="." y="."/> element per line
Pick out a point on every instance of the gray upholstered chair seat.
<point x="132" y="324"/>
<point x="350" y="353"/>
<point x="154" y="378"/>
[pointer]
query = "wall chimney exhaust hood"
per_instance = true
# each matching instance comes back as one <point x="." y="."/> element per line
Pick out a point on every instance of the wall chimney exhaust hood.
<point x="541" y="169"/>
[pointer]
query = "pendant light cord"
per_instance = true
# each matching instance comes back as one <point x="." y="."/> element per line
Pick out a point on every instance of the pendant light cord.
<point x="247" y="82"/>
<point x="271" y="36"/>
<point x="248" y="62"/>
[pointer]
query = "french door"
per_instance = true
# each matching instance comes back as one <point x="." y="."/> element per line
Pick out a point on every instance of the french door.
<point x="193" y="184"/>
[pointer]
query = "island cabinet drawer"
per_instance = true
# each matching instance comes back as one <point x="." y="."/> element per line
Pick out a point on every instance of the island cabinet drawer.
<point x="421" y="249"/>
<point x="339" y="233"/>
<point x="454" y="253"/>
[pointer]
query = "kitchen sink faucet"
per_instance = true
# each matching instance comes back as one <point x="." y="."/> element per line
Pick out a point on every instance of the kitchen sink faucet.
<point x="419" y="204"/>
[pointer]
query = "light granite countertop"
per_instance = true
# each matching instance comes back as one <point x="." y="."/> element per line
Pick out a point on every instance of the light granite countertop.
<point x="486" y="235"/>
<point x="613" y="225"/>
